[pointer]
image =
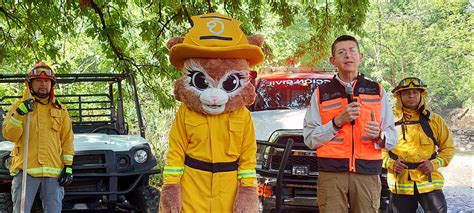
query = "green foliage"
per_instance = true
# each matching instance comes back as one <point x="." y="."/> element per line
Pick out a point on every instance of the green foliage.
<point x="431" y="41"/>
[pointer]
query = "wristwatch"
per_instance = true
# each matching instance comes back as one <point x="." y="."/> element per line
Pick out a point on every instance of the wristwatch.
<point x="334" y="125"/>
<point x="381" y="139"/>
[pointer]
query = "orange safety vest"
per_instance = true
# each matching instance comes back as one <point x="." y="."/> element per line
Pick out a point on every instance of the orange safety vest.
<point x="351" y="149"/>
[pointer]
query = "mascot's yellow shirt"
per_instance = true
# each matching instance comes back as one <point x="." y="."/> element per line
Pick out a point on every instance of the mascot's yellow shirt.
<point x="230" y="138"/>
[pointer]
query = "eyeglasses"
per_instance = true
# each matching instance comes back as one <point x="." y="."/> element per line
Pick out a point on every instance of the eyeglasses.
<point x="38" y="70"/>
<point x="343" y="52"/>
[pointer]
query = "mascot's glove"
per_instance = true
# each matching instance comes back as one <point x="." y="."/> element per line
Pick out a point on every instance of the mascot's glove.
<point x="66" y="176"/>
<point x="170" y="201"/>
<point x="246" y="200"/>
<point x="26" y="106"/>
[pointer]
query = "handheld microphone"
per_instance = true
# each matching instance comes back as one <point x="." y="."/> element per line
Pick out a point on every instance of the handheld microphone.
<point x="350" y="98"/>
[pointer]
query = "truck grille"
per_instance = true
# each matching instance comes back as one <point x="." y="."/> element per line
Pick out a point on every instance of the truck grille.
<point x="301" y="155"/>
<point x="85" y="164"/>
<point x="91" y="163"/>
<point x="89" y="159"/>
<point x="311" y="161"/>
<point x="88" y="185"/>
<point x="298" y="141"/>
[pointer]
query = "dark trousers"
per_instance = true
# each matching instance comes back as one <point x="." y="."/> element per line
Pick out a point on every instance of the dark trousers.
<point x="430" y="202"/>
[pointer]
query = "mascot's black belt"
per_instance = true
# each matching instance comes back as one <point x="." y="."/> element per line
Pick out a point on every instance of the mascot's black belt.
<point x="211" y="167"/>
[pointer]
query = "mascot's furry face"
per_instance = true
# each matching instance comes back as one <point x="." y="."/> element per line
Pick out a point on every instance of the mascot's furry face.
<point x="215" y="86"/>
<point x="214" y="58"/>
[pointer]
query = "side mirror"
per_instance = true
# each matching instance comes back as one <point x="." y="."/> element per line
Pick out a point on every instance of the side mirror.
<point x="253" y="77"/>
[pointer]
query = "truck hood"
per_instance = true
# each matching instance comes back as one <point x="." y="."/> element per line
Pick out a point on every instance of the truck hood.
<point x="266" y="122"/>
<point x="96" y="141"/>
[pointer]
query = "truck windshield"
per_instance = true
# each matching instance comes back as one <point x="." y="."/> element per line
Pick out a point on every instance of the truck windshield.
<point x="292" y="93"/>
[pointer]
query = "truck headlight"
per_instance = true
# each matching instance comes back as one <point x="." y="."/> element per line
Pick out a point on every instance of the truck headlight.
<point x="140" y="156"/>
<point x="7" y="163"/>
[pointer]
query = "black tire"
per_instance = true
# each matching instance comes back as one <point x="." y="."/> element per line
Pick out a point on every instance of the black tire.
<point x="146" y="198"/>
<point x="6" y="203"/>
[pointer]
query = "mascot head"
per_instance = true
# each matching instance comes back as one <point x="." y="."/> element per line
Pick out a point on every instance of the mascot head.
<point x="215" y="59"/>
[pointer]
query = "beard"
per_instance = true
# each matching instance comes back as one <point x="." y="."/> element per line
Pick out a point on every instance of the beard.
<point x="42" y="93"/>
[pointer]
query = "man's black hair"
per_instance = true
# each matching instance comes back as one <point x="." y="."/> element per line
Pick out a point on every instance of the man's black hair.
<point x="343" y="38"/>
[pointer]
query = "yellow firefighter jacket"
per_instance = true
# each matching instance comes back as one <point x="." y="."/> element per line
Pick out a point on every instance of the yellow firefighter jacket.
<point x="416" y="146"/>
<point x="225" y="137"/>
<point x="50" y="145"/>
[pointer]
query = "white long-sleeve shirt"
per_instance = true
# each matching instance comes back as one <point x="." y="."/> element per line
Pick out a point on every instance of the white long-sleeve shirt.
<point x="317" y="134"/>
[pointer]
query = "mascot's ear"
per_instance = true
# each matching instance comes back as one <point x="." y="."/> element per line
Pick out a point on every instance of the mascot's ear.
<point x="174" y="41"/>
<point x="255" y="40"/>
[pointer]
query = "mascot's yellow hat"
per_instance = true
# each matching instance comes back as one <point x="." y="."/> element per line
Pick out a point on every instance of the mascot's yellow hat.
<point x="215" y="36"/>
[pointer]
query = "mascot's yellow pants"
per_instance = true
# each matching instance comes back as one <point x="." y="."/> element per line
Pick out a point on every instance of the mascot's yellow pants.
<point x="208" y="192"/>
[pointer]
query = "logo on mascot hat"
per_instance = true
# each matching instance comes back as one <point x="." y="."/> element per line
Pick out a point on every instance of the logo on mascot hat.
<point x="215" y="36"/>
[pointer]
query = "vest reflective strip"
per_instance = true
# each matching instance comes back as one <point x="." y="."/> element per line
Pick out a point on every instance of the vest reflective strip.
<point x="338" y="139"/>
<point x="248" y="173"/>
<point x="15" y="121"/>
<point x="44" y="170"/>
<point x="173" y="170"/>
<point x="68" y="157"/>
<point x="334" y="105"/>
<point x="366" y="138"/>
<point x="370" y="100"/>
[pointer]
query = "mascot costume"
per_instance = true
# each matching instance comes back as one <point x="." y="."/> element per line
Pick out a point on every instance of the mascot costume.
<point x="212" y="149"/>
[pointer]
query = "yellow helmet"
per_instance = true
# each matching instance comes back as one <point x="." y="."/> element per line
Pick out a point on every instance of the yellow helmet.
<point x="409" y="83"/>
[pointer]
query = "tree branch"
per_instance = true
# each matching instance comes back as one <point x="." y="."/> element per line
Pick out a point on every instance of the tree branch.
<point x="186" y="14"/>
<point x="9" y="16"/>
<point x="162" y="30"/>
<point x="463" y="114"/>
<point x="209" y="6"/>
<point x="120" y="55"/>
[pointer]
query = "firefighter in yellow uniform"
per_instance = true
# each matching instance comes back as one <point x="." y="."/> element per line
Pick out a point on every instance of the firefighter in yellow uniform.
<point x="211" y="157"/>
<point x="424" y="145"/>
<point x="50" y="146"/>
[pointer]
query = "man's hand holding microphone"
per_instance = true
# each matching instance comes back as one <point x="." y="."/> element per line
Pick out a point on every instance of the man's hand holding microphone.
<point x="351" y="112"/>
<point x="348" y="114"/>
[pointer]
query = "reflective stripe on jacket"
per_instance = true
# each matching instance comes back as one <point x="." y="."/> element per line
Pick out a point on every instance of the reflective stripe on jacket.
<point x="351" y="149"/>
<point x="415" y="147"/>
<point x="50" y="141"/>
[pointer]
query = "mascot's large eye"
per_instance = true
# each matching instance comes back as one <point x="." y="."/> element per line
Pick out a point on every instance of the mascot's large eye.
<point x="198" y="80"/>
<point x="231" y="83"/>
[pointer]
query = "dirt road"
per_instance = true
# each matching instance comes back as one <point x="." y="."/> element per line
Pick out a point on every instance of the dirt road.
<point x="459" y="183"/>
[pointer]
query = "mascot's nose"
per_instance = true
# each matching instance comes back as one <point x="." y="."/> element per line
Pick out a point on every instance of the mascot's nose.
<point x="214" y="99"/>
